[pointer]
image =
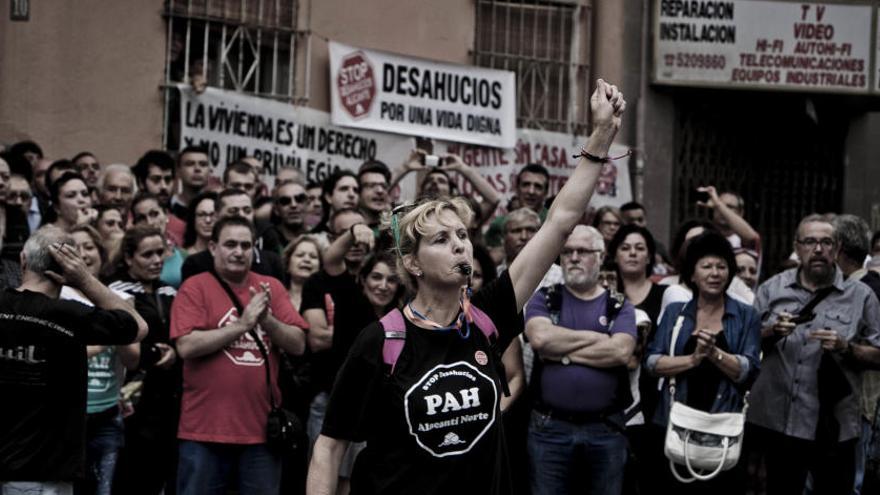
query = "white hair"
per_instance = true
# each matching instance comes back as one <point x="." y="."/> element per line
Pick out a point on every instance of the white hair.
<point x="117" y="167"/>
<point x="598" y="242"/>
<point x="36" y="248"/>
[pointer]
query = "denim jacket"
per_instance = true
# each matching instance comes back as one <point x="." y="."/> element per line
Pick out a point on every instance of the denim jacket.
<point x="742" y="329"/>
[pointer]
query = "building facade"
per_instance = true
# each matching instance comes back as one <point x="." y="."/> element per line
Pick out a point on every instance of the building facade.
<point x="100" y="76"/>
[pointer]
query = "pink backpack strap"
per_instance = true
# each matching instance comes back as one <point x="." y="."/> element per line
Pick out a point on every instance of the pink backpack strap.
<point x="395" y="333"/>
<point x="482" y="320"/>
<point x="395" y="336"/>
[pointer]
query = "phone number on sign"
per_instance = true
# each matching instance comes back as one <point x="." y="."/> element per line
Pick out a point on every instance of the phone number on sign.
<point x="695" y="60"/>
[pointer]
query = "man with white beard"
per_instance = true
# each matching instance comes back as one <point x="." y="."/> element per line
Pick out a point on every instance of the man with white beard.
<point x="585" y="336"/>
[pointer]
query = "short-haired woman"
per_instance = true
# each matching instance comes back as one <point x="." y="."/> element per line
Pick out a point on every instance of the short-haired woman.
<point x="717" y="349"/>
<point x="423" y="387"/>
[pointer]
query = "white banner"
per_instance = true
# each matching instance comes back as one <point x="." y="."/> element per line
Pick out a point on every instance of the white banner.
<point x="387" y="92"/>
<point x="233" y="125"/>
<point x="555" y="152"/>
<point x="763" y="44"/>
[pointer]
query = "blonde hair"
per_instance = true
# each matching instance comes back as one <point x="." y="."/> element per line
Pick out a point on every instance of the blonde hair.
<point x="409" y="223"/>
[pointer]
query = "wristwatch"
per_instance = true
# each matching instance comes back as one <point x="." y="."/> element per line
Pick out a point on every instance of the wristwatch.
<point x="719" y="356"/>
<point x="566" y="360"/>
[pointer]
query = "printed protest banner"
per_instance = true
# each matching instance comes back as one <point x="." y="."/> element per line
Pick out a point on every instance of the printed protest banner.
<point x="763" y="44"/>
<point x="393" y="93"/>
<point x="555" y="152"/>
<point x="233" y="125"/>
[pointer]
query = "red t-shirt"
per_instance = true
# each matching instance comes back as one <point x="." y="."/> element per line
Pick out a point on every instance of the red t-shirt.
<point x="175" y="230"/>
<point x="225" y="398"/>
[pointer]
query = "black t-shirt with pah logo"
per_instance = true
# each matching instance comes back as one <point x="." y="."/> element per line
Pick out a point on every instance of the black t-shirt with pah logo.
<point x="435" y="424"/>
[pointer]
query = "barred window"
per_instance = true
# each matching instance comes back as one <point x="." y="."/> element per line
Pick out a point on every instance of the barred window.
<point x="544" y="43"/>
<point x="249" y="46"/>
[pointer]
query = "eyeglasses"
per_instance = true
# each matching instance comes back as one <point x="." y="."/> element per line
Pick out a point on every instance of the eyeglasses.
<point x="810" y="242"/>
<point x="286" y="200"/>
<point x="567" y="253"/>
<point x="24" y="196"/>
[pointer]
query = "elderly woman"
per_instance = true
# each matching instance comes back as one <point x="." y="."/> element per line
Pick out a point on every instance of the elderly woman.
<point x="678" y="290"/>
<point x="717" y="350"/>
<point x="423" y="386"/>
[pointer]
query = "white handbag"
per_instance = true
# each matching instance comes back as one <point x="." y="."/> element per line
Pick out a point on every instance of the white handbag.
<point x="704" y="443"/>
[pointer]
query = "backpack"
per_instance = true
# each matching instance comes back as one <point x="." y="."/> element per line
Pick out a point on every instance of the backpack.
<point x="613" y="305"/>
<point x="394" y="328"/>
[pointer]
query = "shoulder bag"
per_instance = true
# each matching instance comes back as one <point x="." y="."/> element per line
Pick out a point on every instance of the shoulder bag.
<point x="705" y="443"/>
<point x="284" y="430"/>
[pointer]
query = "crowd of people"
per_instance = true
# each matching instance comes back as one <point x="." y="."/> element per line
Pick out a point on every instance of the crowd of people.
<point x="154" y="316"/>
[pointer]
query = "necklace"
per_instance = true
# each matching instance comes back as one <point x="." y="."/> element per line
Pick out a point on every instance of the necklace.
<point x="462" y="322"/>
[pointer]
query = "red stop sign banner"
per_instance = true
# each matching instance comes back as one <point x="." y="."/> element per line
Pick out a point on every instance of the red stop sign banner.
<point x="356" y="83"/>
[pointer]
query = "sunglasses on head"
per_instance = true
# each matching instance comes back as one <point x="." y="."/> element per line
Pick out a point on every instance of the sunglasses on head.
<point x="286" y="200"/>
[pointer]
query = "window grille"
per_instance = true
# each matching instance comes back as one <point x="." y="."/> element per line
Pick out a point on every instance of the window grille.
<point x="785" y="164"/>
<point x="545" y="44"/>
<point x="249" y="46"/>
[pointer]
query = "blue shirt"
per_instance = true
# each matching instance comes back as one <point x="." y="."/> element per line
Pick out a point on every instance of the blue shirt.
<point x="742" y="329"/>
<point x="786" y="396"/>
<point x="172" y="267"/>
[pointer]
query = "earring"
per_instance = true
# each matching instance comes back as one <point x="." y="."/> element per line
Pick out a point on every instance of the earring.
<point x="419" y="275"/>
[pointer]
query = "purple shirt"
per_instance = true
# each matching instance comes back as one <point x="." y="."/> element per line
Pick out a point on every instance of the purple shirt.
<point x="576" y="387"/>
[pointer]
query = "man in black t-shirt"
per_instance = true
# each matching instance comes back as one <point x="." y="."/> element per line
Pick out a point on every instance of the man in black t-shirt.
<point x="322" y="338"/>
<point x="43" y="363"/>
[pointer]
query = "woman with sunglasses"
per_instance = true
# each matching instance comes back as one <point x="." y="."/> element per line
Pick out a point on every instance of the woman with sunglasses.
<point x="423" y="387"/>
